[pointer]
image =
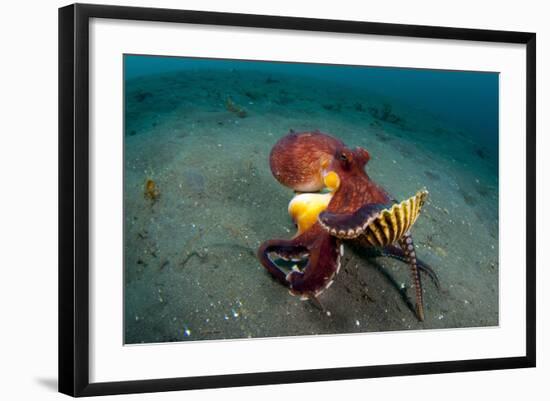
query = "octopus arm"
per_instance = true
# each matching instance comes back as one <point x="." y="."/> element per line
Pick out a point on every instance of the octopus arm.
<point x="321" y="253"/>
<point x="398" y="253"/>
<point x="350" y="225"/>
<point x="287" y="250"/>
<point x="322" y="266"/>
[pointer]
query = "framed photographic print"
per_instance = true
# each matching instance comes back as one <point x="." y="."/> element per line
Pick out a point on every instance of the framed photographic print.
<point x="250" y="199"/>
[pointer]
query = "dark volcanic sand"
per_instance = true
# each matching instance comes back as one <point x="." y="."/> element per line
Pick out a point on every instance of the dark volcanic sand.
<point x="190" y="267"/>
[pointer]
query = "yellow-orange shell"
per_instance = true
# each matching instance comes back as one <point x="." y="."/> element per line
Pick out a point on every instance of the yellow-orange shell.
<point x="305" y="208"/>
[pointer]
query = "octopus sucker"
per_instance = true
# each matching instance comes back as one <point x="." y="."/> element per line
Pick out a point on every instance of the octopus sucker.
<point x="349" y="207"/>
<point x="286" y="257"/>
<point x="411" y="258"/>
<point x="350" y="225"/>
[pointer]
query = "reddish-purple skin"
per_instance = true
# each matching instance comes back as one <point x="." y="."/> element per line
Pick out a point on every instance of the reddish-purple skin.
<point x="322" y="252"/>
<point x="298" y="160"/>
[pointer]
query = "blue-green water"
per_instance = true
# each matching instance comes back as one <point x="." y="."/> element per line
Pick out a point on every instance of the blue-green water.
<point x="467" y="99"/>
<point x="190" y="267"/>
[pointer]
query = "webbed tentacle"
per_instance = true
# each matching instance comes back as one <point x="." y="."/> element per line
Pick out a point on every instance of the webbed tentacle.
<point x="319" y="272"/>
<point x="283" y="249"/>
<point x="319" y="254"/>
<point x="350" y="225"/>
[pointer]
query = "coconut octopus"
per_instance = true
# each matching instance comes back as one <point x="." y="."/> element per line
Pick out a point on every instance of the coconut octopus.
<point x="336" y="202"/>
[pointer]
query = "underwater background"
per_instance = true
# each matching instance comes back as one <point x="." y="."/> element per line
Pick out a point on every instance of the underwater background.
<point x="199" y="196"/>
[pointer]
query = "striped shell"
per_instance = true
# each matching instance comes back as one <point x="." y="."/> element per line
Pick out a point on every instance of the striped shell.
<point x="391" y="224"/>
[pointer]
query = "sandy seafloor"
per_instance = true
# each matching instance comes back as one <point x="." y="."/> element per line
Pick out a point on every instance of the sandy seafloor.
<point x="190" y="265"/>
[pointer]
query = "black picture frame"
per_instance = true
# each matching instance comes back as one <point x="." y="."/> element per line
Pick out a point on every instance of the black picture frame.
<point x="74" y="198"/>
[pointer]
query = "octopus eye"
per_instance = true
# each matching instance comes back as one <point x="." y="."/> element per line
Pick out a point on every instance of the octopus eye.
<point x="343" y="157"/>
